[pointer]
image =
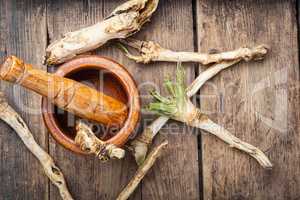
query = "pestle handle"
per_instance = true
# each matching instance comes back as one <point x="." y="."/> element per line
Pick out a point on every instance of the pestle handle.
<point x="65" y="93"/>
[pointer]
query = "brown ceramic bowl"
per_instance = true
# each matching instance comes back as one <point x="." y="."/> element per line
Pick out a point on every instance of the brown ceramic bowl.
<point x="106" y="76"/>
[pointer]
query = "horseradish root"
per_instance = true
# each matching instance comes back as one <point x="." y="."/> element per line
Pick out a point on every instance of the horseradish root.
<point x="179" y="107"/>
<point x="142" y="171"/>
<point x="12" y="118"/>
<point x="90" y="144"/>
<point x="124" y="21"/>
<point x="151" y="51"/>
<point x="141" y="143"/>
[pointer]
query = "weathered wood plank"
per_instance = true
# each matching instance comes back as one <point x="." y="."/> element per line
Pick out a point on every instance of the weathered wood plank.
<point x="175" y="176"/>
<point x="258" y="102"/>
<point x="22" y="34"/>
<point x="87" y="177"/>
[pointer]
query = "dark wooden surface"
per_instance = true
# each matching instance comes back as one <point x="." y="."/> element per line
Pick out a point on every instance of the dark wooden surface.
<point x="259" y="102"/>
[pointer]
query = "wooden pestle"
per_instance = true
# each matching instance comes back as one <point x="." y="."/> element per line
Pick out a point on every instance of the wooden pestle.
<point x="65" y="93"/>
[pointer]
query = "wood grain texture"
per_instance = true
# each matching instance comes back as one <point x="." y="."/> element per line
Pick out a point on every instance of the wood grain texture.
<point x="175" y="175"/>
<point x="23" y="34"/>
<point x="257" y="101"/>
<point x="87" y="177"/>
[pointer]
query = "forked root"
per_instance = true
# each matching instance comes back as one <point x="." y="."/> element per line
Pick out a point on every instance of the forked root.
<point x="90" y="144"/>
<point x="124" y="21"/>
<point x="151" y="51"/>
<point x="142" y="171"/>
<point x="179" y="107"/>
<point x="142" y="142"/>
<point x="13" y="119"/>
<point x="201" y="121"/>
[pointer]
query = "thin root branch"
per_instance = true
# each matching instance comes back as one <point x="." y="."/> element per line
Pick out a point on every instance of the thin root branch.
<point x="204" y="123"/>
<point x="12" y="118"/>
<point x="142" y="171"/>
<point x="150" y="51"/>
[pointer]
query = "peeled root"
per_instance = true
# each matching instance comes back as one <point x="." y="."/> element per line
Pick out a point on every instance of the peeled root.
<point x="203" y="122"/>
<point x="124" y="21"/>
<point x="179" y="107"/>
<point x="141" y="143"/>
<point x="13" y="119"/>
<point x="151" y="51"/>
<point x="208" y="74"/>
<point x="142" y="171"/>
<point x="89" y="143"/>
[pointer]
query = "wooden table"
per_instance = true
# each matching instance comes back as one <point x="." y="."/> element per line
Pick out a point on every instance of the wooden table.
<point x="257" y="101"/>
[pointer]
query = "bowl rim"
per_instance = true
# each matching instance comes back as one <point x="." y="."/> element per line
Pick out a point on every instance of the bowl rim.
<point x="128" y="84"/>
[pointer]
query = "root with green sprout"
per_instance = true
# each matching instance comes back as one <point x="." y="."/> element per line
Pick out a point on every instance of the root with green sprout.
<point x="179" y="107"/>
<point x="142" y="142"/>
